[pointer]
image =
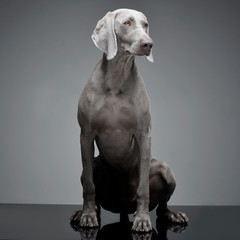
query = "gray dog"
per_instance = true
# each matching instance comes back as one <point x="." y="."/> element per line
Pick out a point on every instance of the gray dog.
<point x="114" y="112"/>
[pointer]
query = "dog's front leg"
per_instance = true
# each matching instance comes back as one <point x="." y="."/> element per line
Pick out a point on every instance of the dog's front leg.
<point x="142" y="222"/>
<point x="89" y="216"/>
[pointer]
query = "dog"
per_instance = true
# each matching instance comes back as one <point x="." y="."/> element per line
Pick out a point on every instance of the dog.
<point x="114" y="113"/>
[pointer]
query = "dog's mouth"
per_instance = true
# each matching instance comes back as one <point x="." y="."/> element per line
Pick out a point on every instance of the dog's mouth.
<point x="137" y="54"/>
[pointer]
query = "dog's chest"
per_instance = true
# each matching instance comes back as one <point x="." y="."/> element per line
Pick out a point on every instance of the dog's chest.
<point x="114" y="113"/>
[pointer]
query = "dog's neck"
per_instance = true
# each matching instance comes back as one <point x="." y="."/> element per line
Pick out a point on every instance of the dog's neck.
<point x="118" y="72"/>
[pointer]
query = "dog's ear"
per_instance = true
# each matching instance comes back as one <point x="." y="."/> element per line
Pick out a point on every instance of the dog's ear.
<point x="104" y="35"/>
<point x="150" y="57"/>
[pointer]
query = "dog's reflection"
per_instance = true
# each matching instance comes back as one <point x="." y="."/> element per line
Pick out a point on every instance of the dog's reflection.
<point x="122" y="231"/>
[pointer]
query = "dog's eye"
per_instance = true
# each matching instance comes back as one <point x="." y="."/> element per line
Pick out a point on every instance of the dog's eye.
<point x="145" y="25"/>
<point x="127" y="23"/>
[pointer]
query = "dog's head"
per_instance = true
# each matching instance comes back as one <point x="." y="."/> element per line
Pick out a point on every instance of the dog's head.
<point x="123" y="30"/>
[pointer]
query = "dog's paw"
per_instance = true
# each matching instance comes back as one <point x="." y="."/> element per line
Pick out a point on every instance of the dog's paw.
<point x="177" y="217"/>
<point x="84" y="219"/>
<point x="89" y="219"/>
<point x="142" y="223"/>
<point x="75" y="218"/>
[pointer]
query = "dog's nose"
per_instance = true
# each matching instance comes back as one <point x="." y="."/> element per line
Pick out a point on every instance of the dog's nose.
<point x="147" y="46"/>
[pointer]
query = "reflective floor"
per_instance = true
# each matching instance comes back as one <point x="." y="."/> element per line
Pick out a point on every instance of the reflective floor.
<point x="52" y="222"/>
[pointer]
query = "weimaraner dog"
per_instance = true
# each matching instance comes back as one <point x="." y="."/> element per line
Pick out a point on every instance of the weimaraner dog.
<point x="114" y="112"/>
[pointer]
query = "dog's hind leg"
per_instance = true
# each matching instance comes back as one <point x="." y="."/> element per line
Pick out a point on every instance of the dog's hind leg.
<point x="162" y="185"/>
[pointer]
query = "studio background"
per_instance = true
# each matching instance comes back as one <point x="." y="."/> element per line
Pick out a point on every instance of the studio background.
<point x="46" y="57"/>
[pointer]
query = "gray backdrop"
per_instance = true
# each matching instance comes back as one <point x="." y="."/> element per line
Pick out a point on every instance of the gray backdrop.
<point x="46" y="57"/>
